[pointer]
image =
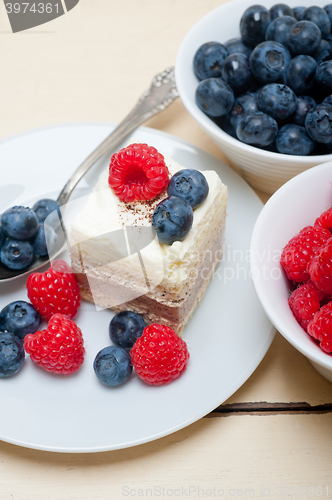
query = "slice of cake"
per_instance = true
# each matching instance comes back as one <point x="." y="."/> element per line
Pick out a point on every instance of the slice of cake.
<point x="118" y="256"/>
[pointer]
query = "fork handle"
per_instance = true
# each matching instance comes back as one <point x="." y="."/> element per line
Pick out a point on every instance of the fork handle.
<point x="161" y="93"/>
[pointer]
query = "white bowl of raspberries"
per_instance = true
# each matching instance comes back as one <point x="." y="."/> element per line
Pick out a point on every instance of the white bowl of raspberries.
<point x="258" y="80"/>
<point x="291" y="263"/>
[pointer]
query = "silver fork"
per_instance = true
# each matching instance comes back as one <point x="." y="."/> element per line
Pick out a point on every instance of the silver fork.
<point x="161" y="94"/>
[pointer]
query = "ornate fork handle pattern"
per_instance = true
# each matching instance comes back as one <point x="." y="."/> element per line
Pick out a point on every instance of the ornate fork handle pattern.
<point x="161" y="94"/>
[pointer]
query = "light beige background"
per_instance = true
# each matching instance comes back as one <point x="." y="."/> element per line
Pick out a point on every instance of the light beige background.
<point x="91" y="65"/>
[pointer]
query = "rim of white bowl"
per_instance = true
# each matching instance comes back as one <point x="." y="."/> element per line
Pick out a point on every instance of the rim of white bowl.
<point x="318" y="356"/>
<point x="181" y="67"/>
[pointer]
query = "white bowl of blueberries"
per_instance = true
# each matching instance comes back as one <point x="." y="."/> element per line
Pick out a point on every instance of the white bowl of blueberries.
<point x="258" y="80"/>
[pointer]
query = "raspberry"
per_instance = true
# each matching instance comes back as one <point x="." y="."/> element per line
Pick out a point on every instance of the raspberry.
<point x="305" y="302"/>
<point x="54" y="291"/>
<point x="59" y="348"/>
<point x="320" y="327"/>
<point x="300" y="249"/>
<point x="320" y="268"/>
<point x="138" y="172"/>
<point x="159" y="355"/>
<point x="325" y="220"/>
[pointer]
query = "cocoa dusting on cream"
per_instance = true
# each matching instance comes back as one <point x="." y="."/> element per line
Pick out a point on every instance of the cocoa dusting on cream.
<point x="135" y="208"/>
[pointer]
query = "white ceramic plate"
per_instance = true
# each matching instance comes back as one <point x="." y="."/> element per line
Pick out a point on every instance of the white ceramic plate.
<point x="227" y="336"/>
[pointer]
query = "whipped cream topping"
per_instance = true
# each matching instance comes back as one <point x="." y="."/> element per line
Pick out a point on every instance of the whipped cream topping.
<point x="104" y="213"/>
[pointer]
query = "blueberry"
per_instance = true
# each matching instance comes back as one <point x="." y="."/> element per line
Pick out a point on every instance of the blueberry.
<point x="300" y="74"/>
<point x="19" y="318"/>
<point x="214" y="97"/>
<point x="11" y="354"/>
<point x="125" y="328"/>
<point x="278" y="29"/>
<point x="303" y="106"/>
<point x="327" y="100"/>
<point x="43" y="208"/>
<point x="20" y="223"/>
<point x="237" y="73"/>
<point x="2" y="236"/>
<point x="209" y="59"/>
<point x="281" y="10"/>
<point x="44" y="241"/>
<point x="294" y="140"/>
<point x="172" y="220"/>
<point x="324" y="52"/>
<point x="277" y="100"/>
<point x="16" y="254"/>
<point x="190" y="185"/>
<point x="318" y="123"/>
<point x="247" y="103"/>
<point x="328" y="10"/>
<point x="268" y="62"/>
<point x="236" y="46"/>
<point x="324" y="76"/>
<point x="112" y="366"/>
<point x="318" y="16"/>
<point x="253" y="24"/>
<point x="257" y="129"/>
<point x="298" y="12"/>
<point x="224" y="123"/>
<point x="303" y="38"/>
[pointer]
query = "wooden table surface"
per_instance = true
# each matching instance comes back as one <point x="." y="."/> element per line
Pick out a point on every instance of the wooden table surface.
<point x="273" y="437"/>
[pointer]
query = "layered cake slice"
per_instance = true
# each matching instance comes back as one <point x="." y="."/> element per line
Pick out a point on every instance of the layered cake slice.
<point x="149" y="236"/>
